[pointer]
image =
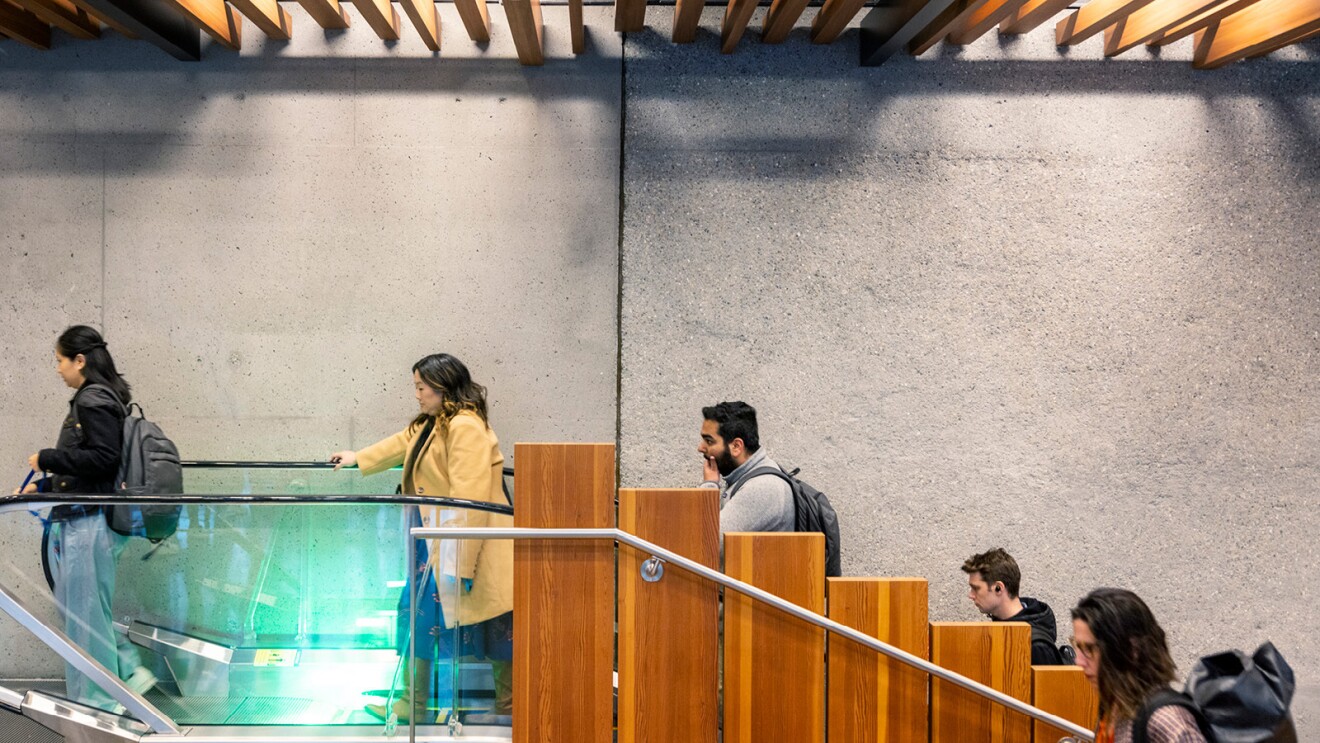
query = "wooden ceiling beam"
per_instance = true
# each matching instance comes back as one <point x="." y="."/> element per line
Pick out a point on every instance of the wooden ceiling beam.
<point x="892" y="24"/>
<point x="986" y="17"/>
<point x="736" y="15"/>
<point x="1152" y="21"/>
<point x="155" y="21"/>
<point x="1297" y="40"/>
<point x="106" y="20"/>
<point x="476" y="18"/>
<point x="833" y="18"/>
<point x="1092" y="18"/>
<point x="216" y="18"/>
<point x="1031" y="15"/>
<point x="425" y="20"/>
<point x="687" y="18"/>
<point x="1222" y="9"/>
<point x="1262" y="28"/>
<point x="951" y="18"/>
<point x="780" y="19"/>
<point x="629" y="15"/>
<point x="329" y="14"/>
<point x="524" y="18"/>
<point x="63" y="15"/>
<point x="268" y="16"/>
<point x="381" y="16"/>
<point x="23" y="26"/>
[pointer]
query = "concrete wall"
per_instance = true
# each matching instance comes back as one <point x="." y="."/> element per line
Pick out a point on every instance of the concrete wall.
<point x="271" y="239"/>
<point x="1003" y="296"/>
<point x="998" y="297"/>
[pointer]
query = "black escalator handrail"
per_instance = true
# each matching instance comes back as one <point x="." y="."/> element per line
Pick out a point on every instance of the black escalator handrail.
<point x="27" y="501"/>
<point x="239" y="464"/>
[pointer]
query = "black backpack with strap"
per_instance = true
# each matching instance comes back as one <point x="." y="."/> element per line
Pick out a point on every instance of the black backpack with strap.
<point x="1235" y="698"/>
<point x="148" y="465"/>
<point x="812" y="512"/>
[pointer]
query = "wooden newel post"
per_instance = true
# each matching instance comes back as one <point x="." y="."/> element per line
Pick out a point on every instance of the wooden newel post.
<point x="563" y="595"/>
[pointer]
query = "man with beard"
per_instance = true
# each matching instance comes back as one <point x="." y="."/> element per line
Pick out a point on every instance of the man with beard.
<point x="993" y="580"/>
<point x="731" y="450"/>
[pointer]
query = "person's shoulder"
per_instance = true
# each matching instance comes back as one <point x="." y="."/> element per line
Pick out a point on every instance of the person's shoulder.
<point x="468" y="422"/>
<point x="96" y="396"/>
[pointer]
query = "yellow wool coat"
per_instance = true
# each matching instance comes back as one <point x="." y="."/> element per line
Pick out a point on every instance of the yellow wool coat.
<point x="462" y="462"/>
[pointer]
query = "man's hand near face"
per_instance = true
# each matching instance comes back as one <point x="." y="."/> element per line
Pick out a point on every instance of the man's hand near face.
<point x="709" y="472"/>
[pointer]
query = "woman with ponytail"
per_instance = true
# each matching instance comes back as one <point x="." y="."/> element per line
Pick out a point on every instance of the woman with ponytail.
<point x="450" y="451"/>
<point x="83" y="550"/>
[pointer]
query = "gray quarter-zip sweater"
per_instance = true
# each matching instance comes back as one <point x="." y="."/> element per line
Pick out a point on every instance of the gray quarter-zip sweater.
<point x="763" y="503"/>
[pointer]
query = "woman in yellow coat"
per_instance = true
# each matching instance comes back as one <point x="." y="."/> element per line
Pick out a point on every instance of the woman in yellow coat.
<point x="450" y="451"/>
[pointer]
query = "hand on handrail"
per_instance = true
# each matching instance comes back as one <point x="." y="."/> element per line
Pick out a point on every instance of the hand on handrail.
<point x="346" y="458"/>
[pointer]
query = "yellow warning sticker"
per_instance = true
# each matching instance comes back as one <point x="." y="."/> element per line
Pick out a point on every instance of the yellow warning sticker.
<point x="276" y="658"/>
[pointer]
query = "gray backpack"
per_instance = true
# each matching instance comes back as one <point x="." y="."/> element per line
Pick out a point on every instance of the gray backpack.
<point x="148" y="465"/>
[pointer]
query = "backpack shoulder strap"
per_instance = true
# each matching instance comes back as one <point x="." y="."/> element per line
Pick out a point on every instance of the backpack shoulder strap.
<point x="762" y="471"/>
<point x="1167" y="698"/>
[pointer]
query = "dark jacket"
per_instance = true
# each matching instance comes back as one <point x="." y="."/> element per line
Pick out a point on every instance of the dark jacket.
<point x="86" y="455"/>
<point x="1044" y="635"/>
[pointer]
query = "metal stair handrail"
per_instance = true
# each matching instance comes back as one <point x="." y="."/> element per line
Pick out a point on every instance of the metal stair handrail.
<point x="765" y="597"/>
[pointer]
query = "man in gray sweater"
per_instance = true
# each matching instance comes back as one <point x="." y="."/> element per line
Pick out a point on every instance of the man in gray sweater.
<point x="731" y="449"/>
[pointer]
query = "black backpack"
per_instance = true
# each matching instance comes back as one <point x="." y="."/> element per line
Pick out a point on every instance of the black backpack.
<point x="812" y="512"/>
<point x="1234" y="697"/>
<point x="148" y="465"/>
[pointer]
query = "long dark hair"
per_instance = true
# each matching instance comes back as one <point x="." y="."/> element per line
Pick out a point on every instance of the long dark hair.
<point x="1134" y="653"/>
<point x="448" y="376"/>
<point x="100" y="367"/>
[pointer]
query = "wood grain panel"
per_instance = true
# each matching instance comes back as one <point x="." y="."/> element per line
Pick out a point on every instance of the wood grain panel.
<point x="1260" y="29"/>
<point x="268" y="16"/>
<point x="326" y="13"/>
<point x="1063" y="691"/>
<point x="1152" y="21"/>
<point x="576" y="26"/>
<point x="64" y="15"/>
<point x="524" y="17"/>
<point x="774" y="665"/>
<point x="1223" y="9"/>
<point x="424" y="18"/>
<point x="873" y="699"/>
<point x="24" y="27"/>
<point x="669" y="629"/>
<point x="997" y="654"/>
<point x="563" y="595"/>
<point x="1031" y="15"/>
<point x="1092" y="18"/>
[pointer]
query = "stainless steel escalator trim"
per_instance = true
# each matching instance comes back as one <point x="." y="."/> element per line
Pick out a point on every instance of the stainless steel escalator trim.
<point x="75" y="656"/>
<point x="79" y="723"/>
<point x="11" y="699"/>
<point x="753" y="592"/>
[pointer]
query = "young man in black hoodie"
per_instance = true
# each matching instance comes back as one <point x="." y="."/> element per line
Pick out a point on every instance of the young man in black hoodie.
<point x="993" y="579"/>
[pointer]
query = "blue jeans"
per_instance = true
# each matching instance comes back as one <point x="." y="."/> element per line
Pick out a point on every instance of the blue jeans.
<point x="82" y="555"/>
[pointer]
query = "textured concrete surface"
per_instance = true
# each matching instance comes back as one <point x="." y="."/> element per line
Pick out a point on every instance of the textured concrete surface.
<point x="270" y="239"/>
<point x="996" y="297"/>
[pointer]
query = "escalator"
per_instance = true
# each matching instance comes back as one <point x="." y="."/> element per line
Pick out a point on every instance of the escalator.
<point x="271" y="612"/>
